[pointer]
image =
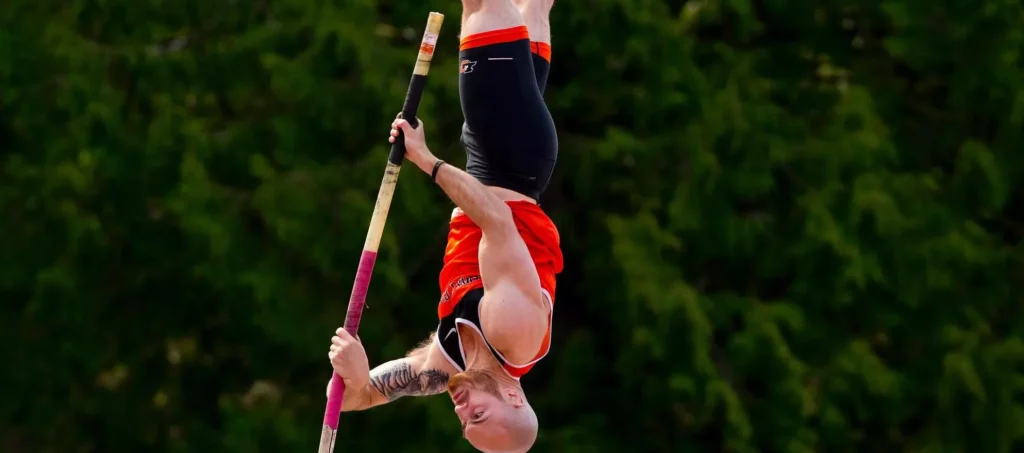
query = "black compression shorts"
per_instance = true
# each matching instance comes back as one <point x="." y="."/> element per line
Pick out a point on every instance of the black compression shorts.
<point x="509" y="136"/>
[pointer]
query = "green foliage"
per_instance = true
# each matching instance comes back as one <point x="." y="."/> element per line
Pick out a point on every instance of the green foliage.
<point x="789" y="226"/>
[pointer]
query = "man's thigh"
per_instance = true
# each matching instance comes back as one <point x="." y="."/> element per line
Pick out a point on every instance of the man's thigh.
<point x="501" y="99"/>
<point x="509" y="135"/>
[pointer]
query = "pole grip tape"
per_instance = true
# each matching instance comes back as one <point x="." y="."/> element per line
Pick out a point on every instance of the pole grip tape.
<point x="409" y="109"/>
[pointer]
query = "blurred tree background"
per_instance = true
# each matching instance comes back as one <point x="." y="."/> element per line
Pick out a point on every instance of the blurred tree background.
<point x="789" y="227"/>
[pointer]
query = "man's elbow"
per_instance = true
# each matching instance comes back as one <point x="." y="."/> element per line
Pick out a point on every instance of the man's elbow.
<point x="497" y="218"/>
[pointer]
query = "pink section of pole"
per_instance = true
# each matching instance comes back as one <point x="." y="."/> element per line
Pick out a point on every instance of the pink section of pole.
<point x="356" y="303"/>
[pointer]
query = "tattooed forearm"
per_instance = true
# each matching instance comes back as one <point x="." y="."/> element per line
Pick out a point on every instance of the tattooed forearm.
<point x="398" y="378"/>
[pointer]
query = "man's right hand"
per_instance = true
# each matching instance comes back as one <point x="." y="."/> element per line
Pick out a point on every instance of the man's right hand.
<point x="348" y="358"/>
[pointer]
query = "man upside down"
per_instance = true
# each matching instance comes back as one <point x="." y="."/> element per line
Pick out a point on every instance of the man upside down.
<point x="498" y="279"/>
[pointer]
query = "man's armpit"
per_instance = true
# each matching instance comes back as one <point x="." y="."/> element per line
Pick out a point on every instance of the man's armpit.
<point x="397" y="379"/>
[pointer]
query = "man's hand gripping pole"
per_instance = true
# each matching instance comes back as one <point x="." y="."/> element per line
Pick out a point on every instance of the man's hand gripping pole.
<point x="357" y="300"/>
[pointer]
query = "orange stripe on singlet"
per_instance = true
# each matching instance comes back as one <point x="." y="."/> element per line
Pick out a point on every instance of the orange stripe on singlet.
<point x="541" y="48"/>
<point x="488" y="38"/>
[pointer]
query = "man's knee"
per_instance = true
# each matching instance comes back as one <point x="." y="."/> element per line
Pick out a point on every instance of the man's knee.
<point x="479" y="16"/>
<point x="471" y="6"/>
<point x="478" y="5"/>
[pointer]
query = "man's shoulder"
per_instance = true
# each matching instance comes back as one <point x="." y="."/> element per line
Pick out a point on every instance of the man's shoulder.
<point x="435" y="359"/>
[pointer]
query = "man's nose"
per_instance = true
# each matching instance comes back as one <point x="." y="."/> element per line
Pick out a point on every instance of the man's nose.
<point x="462" y="411"/>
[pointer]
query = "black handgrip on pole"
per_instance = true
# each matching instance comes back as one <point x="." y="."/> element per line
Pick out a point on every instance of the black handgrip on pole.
<point x="409" y="109"/>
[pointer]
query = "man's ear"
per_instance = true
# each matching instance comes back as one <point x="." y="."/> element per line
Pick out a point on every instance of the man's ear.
<point x="514" y="398"/>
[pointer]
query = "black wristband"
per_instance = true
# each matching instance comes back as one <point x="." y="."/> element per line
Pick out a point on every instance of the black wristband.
<point x="437" y="166"/>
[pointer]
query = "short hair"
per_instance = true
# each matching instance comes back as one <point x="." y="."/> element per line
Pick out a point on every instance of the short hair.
<point x="522" y="428"/>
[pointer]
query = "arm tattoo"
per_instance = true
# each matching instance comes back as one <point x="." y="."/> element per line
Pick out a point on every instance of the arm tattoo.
<point x="397" y="379"/>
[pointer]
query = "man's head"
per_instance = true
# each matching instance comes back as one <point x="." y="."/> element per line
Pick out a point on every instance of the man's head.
<point x="495" y="416"/>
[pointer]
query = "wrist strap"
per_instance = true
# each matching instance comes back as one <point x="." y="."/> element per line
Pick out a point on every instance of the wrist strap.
<point x="437" y="166"/>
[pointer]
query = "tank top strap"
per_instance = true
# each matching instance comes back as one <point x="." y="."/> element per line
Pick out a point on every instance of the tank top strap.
<point x="466" y="312"/>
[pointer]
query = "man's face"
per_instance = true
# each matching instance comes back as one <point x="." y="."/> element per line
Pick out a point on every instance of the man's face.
<point x="481" y="407"/>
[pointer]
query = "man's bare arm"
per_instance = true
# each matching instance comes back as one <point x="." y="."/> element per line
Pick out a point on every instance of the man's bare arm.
<point x="482" y="206"/>
<point x="398" y="378"/>
<point x="417" y="374"/>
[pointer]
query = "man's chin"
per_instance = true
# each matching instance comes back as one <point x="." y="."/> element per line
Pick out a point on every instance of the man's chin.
<point x="459" y="381"/>
<point x="473" y="380"/>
